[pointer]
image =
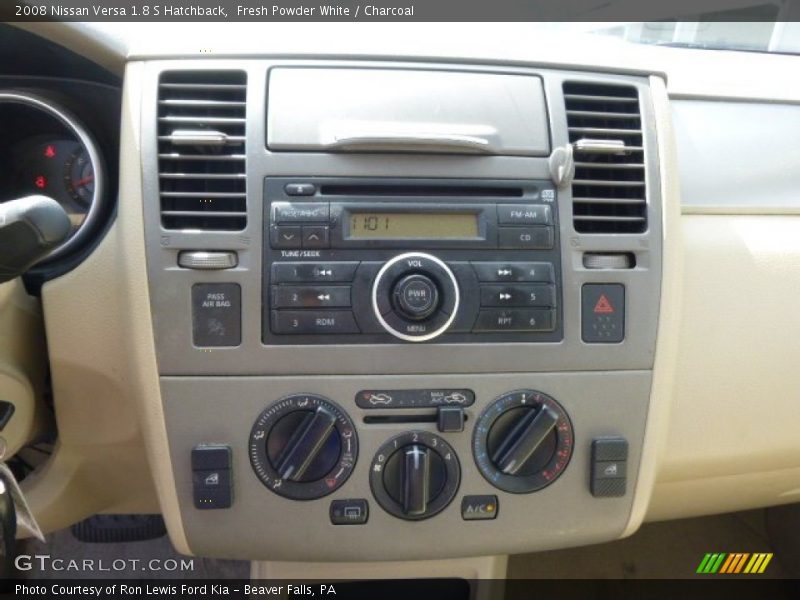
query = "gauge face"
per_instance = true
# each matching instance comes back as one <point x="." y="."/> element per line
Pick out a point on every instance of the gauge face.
<point x="46" y="151"/>
<point x="79" y="177"/>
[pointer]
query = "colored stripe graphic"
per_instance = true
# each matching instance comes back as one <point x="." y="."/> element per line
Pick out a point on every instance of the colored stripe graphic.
<point x="734" y="563"/>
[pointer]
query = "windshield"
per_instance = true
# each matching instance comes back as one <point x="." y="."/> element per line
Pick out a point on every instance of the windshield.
<point x="711" y="32"/>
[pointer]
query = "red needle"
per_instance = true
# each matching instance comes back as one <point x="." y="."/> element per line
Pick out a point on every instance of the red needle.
<point x="84" y="181"/>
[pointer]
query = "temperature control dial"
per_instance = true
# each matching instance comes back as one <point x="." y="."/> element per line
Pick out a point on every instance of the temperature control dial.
<point x="303" y="447"/>
<point x="523" y="441"/>
<point x="415" y="475"/>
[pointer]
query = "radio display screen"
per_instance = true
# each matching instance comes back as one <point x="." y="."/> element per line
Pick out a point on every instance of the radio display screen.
<point x="403" y="226"/>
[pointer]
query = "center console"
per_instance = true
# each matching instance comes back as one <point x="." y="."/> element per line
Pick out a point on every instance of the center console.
<point x="402" y="311"/>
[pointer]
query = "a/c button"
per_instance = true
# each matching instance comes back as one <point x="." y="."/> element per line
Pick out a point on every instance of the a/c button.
<point x="478" y="508"/>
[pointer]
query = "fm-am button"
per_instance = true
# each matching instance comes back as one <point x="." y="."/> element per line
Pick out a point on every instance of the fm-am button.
<point x="313" y="322"/>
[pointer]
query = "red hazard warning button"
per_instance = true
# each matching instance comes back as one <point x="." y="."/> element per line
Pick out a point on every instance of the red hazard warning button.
<point x="603" y="306"/>
<point x="603" y="313"/>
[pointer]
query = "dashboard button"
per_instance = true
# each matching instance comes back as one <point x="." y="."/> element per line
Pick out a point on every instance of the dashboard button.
<point x="450" y="419"/>
<point x="295" y="212"/>
<point x="603" y="313"/>
<point x="216" y="314"/>
<point x="478" y="508"/>
<point x="524" y="214"/>
<point x="320" y="296"/>
<point x="211" y="477"/>
<point x="308" y="272"/>
<point x="316" y="236"/>
<point x="530" y="238"/>
<point x="514" y="271"/>
<point x="515" y="320"/>
<point x="609" y="467"/>
<point x="313" y="322"/>
<point x="300" y="189"/>
<point x="349" y="512"/>
<point x="533" y="295"/>
<point x="285" y="237"/>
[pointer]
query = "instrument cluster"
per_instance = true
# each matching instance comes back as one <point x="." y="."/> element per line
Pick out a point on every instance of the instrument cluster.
<point x="46" y="150"/>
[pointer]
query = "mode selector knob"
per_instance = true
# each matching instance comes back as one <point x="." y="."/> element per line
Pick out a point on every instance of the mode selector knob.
<point x="415" y="296"/>
<point x="415" y="475"/>
<point x="523" y="441"/>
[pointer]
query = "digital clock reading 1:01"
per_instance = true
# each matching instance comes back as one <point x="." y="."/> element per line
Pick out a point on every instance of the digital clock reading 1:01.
<point x="398" y="226"/>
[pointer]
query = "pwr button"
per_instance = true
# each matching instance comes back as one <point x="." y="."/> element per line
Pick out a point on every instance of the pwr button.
<point x="603" y="313"/>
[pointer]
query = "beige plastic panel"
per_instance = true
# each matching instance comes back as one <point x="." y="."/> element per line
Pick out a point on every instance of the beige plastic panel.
<point x="734" y="432"/>
<point x="22" y="366"/>
<point x="102" y="363"/>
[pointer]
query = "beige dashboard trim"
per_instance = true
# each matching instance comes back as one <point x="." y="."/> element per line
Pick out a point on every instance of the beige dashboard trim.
<point x="140" y="337"/>
<point x="669" y="315"/>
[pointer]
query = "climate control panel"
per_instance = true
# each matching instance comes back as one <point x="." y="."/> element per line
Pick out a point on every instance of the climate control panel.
<point x="305" y="447"/>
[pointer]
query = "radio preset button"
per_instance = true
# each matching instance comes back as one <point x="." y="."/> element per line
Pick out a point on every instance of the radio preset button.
<point x="299" y="212"/>
<point x="313" y="322"/>
<point x="285" y="237"/>
<point x="491" y="272"/>
<point x="299" y="296"/>
<point x="311" y="272"/>
<point x="516" y="320"/>
<point x="530" y="238"/>
<point x="524" y="214"/>
<point x="533" y="295"/>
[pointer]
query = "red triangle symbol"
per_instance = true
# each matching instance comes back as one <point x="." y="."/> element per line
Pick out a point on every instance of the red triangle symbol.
<point x="330" y="482"/>
<point x="603" y="306"/>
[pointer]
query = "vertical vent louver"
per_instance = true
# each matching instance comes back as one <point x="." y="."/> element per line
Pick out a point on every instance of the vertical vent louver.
<point x="608" y="190"/>
<point x="201" y="150"/>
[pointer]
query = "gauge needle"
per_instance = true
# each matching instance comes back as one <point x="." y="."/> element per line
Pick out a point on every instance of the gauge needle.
<point x="83" y="181"/>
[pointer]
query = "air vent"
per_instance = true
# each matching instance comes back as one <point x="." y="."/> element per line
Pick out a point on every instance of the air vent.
<point x="608" y="190"/>
<point x="201" y="150"/>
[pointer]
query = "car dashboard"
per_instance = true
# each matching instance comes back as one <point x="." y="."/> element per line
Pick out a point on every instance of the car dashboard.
<point x="476" y="300"/>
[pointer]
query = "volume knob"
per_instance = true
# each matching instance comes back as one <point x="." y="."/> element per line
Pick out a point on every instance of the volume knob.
<point x="415" y="297"/>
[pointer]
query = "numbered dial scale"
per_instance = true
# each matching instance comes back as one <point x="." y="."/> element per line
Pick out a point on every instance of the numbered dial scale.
<point x="303" y="447"/>
<point x="523" y="441"/>
<point x="415" y="475"/>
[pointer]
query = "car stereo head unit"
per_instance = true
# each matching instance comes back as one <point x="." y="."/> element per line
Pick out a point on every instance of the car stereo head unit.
<point x="378" y="261"/>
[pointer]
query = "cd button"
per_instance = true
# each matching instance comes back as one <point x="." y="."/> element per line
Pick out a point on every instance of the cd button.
<point x="531" y="238"/>
<point x="524" y="214"/>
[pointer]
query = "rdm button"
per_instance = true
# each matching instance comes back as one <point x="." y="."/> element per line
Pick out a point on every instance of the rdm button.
<point x="217" y="314"/>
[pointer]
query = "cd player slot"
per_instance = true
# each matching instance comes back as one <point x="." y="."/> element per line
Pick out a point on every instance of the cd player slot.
<point x="420" y="190"/>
